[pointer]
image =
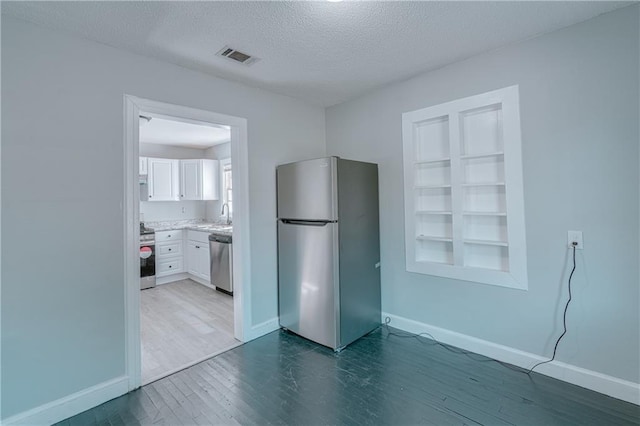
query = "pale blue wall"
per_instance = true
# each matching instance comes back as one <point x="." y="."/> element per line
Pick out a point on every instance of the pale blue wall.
<point x="62" y="321"/>
<point x="63" y="191"/>
<point x="219" y="152"/>
<point x="579" y="111"/>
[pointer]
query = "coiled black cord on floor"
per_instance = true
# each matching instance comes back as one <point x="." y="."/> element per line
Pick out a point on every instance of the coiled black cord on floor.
<point x="474" y="356"/>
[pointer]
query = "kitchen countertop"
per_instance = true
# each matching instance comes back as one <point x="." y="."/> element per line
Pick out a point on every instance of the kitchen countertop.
<point x="193" y="225"/>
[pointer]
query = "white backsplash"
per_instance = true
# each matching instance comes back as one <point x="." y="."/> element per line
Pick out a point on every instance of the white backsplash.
<point x="212" y="210"/>
<point x="153" y="211"/>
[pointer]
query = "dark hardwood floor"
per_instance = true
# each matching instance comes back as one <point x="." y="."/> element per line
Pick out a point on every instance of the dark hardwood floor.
<point x="381" y="379"/>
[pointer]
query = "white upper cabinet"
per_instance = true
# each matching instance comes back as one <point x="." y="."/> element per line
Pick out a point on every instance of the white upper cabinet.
<point x="164" y="179"/>
<point x="190" y="180"/>
<point x="176" y="180"/>
<point x="464" y="209"/>
<point x="199" y="180"/>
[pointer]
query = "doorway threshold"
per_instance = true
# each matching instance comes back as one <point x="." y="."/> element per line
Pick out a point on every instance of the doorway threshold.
<point x="189" y="364"/>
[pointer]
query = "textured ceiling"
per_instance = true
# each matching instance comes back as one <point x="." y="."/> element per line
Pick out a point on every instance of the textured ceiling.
<point x="321" y="52"/>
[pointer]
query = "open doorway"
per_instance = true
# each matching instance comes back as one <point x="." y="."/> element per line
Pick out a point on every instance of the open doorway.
<point x="189" y="226"/>
<point x="186" y="243"/>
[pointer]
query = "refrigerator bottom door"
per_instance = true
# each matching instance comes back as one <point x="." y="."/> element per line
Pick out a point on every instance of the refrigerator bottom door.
<point x="307" y="280"/>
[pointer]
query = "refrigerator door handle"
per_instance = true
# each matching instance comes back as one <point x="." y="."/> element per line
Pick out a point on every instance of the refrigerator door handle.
<point x="306" y="222"/>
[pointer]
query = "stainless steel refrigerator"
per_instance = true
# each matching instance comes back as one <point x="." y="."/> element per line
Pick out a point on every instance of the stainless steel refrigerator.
<point x="328" y="249"/>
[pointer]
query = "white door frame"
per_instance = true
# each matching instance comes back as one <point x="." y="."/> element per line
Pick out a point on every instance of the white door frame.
<point x="241" y="253"/>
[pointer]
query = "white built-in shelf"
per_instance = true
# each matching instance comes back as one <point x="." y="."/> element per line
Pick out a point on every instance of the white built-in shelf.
<point x="432" y="186"/>
<point x="420" y="212"/>
<point x="483" y="184"/>
<point x="484" y="155"/>
<point x="487" y="242"/>
<point x="484" y="213"/>
<point x="436" y="160"/>
<point x="430" y="238"/>
<point x="462" y="175"/>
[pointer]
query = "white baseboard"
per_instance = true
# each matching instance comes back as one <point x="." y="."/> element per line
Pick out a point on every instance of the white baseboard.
<point x="71" y="405"/>
<point x="608" y="385"/>
<point x="263" y="328"/>
<point x="167" y="279"/>
<point x="201" y="281"/>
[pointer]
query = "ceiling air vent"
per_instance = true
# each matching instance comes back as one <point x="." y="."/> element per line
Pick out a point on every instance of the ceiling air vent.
<point x="237" y="56"/>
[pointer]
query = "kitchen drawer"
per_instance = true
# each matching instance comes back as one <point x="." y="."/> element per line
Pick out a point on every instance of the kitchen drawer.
<point x="169" y="249"/>
<point x="200" y="236"/>
<point x="163" y="236"/>
<point x="168" y="267"/>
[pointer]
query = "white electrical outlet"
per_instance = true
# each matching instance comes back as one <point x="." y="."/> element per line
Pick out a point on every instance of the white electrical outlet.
<point x="575" y="237"/>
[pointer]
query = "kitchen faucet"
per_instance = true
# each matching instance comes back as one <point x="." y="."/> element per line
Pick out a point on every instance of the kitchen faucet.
<point x="222" y="212"/>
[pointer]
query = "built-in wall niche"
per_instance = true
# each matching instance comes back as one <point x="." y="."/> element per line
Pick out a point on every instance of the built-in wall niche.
<point x="488" y="169"/>
<point x="433" y="251"/>
<point x="464" y="213"/>
<point x="432" y="140"/>
<point x="481" y="131"/>
<point x="487" y="229"/>
<point x="484" y="199"/>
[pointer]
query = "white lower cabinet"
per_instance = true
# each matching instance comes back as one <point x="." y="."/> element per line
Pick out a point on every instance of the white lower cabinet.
<point x="169" y="253"/>
<point x="183" y="252"/>
<point x="198" y="255"/>
<point x="169" y="266"/>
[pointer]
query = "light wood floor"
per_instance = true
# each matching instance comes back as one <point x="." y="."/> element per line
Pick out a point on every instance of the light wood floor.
<point x="183" y="323"/>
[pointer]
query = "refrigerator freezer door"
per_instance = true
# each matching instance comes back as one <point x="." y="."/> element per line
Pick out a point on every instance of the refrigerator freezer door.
<point x="307" y="190"/>
<point x="307" y="280"/>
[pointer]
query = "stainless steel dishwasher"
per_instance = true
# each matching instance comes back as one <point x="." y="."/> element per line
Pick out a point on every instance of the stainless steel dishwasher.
<point x="221" y="261"/>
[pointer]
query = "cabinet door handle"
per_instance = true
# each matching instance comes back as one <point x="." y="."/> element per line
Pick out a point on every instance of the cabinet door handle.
<point x="197" y="246"/>
<point x="169" y="249"/>
<point x="170" y="266"/>
<point x="169" y="236"/>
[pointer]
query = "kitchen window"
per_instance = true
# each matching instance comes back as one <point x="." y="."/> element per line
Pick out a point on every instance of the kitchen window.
<point x="464" y="208"/>
<point x="227" y="186"/>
